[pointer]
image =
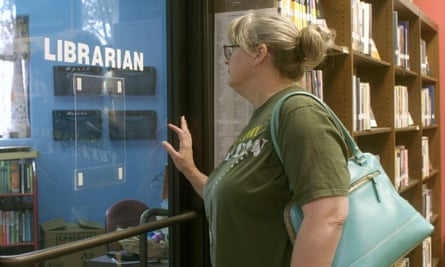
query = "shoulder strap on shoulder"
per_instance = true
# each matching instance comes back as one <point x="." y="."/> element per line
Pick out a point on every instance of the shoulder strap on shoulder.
<point x="274" y="122"/>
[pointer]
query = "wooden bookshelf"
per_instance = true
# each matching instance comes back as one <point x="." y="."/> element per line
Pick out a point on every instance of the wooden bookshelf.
<point x="384" y="74"/>
<point x="18" y="202"/>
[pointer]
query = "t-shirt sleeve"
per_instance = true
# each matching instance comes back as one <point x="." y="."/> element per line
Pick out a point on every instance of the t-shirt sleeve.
<point x="314" y="151"/>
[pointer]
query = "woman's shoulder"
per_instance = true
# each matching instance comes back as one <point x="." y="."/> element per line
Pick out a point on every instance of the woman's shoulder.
<point x="298" y="101"/>
<point x="291" y="103"/>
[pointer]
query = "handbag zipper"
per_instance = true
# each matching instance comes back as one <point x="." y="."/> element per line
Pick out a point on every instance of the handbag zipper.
<point x="365" y="179"/>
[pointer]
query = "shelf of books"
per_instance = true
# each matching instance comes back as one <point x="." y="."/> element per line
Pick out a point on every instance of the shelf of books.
<point x="382" y="81"/>
<point x="18" y="201"/>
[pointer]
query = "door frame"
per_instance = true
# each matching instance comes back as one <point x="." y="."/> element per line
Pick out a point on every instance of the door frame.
<point x="190" y="93"/>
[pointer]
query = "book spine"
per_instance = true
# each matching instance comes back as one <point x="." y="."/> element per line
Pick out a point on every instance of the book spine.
<point x="15" y="176"/>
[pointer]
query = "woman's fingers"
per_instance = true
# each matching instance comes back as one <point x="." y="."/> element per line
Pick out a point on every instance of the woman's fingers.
<point x="184" y="152"/>
<point x="184" y="124"/>
<point x="174" y="128"/>
<point x="180" y="131"/>
<point x="169" y="148"/>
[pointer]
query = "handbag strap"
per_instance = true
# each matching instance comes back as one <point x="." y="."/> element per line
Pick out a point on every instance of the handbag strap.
<point x="356" y="152"/>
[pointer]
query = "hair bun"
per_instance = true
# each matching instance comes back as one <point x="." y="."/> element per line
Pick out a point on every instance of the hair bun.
<point x="312" y="44"/>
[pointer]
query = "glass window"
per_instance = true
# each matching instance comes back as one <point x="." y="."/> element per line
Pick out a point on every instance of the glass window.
<point x="14" y="73"/>
<point x="83" y="112"/>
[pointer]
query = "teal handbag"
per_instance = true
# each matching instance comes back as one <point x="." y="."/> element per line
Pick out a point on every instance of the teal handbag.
<point x="381" y="226"/>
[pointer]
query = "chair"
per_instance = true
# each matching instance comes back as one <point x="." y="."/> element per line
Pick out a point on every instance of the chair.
<point x="123" y="214"/>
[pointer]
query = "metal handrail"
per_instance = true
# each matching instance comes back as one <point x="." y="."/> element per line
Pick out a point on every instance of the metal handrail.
<point x="41" y="255"/>
<point x="143" y="244"/>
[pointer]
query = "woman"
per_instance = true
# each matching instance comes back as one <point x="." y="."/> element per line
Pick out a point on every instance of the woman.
<point x="246" y="194"/>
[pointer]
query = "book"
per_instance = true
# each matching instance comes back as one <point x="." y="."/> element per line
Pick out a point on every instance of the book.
<point x="424" y="66"/>
<point x="363" y="116"/>
<point x="373" y="49"/>
<point x="302" y="12"/>
<point x="402" y="117"/>
<point x="427" y="105"/>
<point x="312" y="82"/>
<point x="404" y="44"/>
<point x="14" y="166"/>
<point x="1" y="229"/>
<point x="401" y="172"/>
<point x="395" y="16"/>
<point x="427" y="200"/>
<point x="361" y="24"/>
<point x="403" y="262"/>
<point x="426" y="252"/>
<point x="355" y="7"/>
<point x="431" y="95"/>
<point x="397" y="177"/>
<point x="367" y="27"/>
<point x="425" y="157"/>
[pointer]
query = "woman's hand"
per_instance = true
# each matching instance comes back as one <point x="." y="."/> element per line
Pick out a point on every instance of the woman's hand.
<point x="183" y="157"/>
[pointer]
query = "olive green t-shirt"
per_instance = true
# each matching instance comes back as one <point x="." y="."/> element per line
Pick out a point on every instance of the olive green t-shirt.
<point x="246" y="194"/>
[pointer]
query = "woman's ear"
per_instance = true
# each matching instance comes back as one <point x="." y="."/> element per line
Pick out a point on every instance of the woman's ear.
<point x="260" y="52"/>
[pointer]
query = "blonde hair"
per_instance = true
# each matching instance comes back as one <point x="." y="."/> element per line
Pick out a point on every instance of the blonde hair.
<point x="293" y="51"/>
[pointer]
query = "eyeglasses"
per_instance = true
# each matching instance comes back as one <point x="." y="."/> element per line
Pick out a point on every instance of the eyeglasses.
<point x="228" y="50"/>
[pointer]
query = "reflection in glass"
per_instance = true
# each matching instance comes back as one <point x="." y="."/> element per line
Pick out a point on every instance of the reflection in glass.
<point x="14" y="73"/>
<point x="97" y="18"/>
